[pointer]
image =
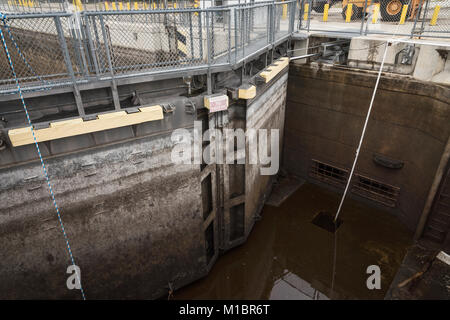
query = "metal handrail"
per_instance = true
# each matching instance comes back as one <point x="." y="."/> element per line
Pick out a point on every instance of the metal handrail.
<point x="104" y="45"/>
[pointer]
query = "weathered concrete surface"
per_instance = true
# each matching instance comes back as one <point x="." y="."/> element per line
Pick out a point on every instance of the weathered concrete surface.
<point x="266" y="112"/>
<point x="421" y="275"/>
<point x="133" y="221"/>
<point x="428" y="63"/>
<point x="409" y="122"/>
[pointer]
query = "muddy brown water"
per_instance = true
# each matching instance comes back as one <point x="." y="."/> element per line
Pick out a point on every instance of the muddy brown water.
<point x="288" y="257"/>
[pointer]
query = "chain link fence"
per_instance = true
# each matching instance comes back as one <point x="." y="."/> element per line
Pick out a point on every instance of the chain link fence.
<point x="59" y="49"/>
<point x="399" y="17"/>
<point x="48" y="6"/>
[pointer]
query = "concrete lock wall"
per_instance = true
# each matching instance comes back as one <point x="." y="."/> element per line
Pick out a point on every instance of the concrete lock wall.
<point x="135" y="221"/>
<point x="409" y="124"/>
<point x="134" y="224"/>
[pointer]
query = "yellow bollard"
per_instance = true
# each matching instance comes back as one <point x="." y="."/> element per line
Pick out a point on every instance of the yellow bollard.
<point x="435" y="15"/>
<point x="128" y="6"/>
<point x="106" y="6"/>
<point x="136" y="6"/>
<point x="120" y="6"/>
<point x="175" y="5"/>
<point x="79" y="5"/>
<point x="305" y="15"/>
<point x="20" y="2"/>
<point x="348" y="13"/>
<point x="284" y="13"/>
<point x="403" y="16"/>
<point x="113" y="5"/>
<point x="325" y="12"/>
<point x="30" y="4"/>
<point x="376" y="11"/>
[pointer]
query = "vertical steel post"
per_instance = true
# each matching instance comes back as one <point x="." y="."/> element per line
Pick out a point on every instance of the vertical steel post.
<point x="292" y="17"/>
<point x="363" y="18"/>
<point x="208" y="44"/>
<point x="309" y="14"/>
<point x="235" y="34"/>
<point x="272" y="31"/>
<point x="229" y="35"/>
<point x="424" y="16"/>
<point x="108" y="57"/>
<point x="91" y="45"/>
<point x="200" y="29"/>
<point x="213" y="42"/>
<point x="191" y="36"/>
<point x="76" y="91"/>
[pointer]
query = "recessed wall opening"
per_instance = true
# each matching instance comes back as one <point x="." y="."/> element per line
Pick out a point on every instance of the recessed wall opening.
<point x="237" y="221"/>
<point x="237" y="179"/>
<point x="209" y="242"/>
<point x="205" y="127"/>
<point x="207" y="196"/>
<point x="328" y="173"/>
<point x="375" y="190"/>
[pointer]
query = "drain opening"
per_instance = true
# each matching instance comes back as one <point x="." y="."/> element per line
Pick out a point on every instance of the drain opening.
<point x="328" y="173"/>
<point x="375" y="190"/>
<point x="325" y="220"/>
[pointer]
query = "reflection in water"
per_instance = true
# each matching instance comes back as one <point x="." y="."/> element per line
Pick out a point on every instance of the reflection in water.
<point x="291" y="287"/>
<point x="288" y="257"/>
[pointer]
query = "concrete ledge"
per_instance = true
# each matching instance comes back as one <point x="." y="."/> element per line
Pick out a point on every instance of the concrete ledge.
<point x="247" y="92"/>
<point x="74" y="127"/>
<point x="272" y="70"/>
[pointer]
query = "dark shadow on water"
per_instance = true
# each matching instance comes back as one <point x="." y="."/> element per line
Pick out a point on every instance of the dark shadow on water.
<point x="288" y="257"/>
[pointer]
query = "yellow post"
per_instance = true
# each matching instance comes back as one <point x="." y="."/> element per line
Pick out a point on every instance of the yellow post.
<point x="174" y="5"/>
<point x="128" y="6"/>
<point x="403" y="16"/>
<point x="106" y="6"/>
<point x="325" y="12"/>
<point x="136" y="6"/>
<point x="348" y="13"/>
<point x="376" y="11"/>
<point x="284" y="14"/>
<point x="305" y="15"/>
<point x="20" y="2"/>
<point x="120" y="6"/>
<point x="30" y="4"/>
<point x="435" y="15"/>
<point x="77" y="3"/>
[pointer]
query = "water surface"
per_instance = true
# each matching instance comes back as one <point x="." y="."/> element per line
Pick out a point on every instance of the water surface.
<point x="288" y="257"/>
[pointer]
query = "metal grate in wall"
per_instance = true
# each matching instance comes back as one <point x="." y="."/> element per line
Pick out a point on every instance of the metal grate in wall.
<point x="328" y="173"/>
<point x="375" y="190"/>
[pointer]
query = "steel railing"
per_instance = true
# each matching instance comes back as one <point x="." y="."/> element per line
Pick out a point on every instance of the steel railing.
<point x="426" y="18"/>
<point x="58" y="49"/>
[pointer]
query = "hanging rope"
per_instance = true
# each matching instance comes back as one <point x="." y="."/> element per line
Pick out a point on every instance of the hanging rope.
<point x="19" y="89"/>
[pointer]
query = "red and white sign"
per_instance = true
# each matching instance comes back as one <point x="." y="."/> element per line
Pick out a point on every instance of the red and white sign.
<point x="216" y="103"/>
